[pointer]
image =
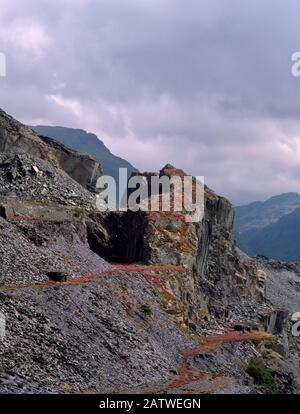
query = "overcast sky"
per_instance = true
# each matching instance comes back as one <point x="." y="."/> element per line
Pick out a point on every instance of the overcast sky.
<point x="203" y="84"/>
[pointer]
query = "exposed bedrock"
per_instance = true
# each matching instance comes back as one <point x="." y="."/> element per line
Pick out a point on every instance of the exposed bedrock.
<point x="118" y="236"/>
<point x="81" y="167"/>
<point x="205" y="250"/>
<point x="16" y="137"/>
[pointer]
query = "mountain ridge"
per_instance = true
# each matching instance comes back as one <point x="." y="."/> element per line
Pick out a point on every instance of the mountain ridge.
<point x="270" y="227"/>
<point x="81" y="140"/>
<point x="261" y="213"/>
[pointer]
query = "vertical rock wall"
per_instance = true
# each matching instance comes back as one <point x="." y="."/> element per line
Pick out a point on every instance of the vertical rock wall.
<point x="211" y="274"/>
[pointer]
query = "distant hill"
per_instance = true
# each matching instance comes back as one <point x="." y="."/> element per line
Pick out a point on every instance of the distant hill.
<point x="83" y="141"/>
<point x="270" y="228"/>
<point x="262" y="213"/>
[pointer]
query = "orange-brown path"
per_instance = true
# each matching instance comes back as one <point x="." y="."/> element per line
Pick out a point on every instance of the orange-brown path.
<point x="142" y="268"/>
<point x="189" y="376"/>
<point x="81" y="280"/>
<point x="90" y="277"/>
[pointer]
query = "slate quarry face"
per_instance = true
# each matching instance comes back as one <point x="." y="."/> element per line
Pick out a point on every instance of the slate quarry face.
<point x="17" y="138"/>
<point x="195" y="265"/>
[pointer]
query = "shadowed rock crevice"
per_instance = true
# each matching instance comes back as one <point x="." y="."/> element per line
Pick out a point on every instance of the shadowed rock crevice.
<point x="118" y="237"/>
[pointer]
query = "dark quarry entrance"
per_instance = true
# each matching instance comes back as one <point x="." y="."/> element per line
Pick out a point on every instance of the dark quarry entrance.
<point x="118" y="237"/>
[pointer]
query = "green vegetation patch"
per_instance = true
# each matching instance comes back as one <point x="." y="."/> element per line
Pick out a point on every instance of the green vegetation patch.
<point x="146" y="310"/>
<point x="262" y="375"/>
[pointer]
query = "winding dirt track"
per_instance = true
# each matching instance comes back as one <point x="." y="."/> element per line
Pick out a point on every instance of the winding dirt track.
<point x="190" y="380"/>
<point x="87" y="278"/>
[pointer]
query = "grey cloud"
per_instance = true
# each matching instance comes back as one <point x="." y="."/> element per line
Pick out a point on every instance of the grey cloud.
<point x="203" y="84"/>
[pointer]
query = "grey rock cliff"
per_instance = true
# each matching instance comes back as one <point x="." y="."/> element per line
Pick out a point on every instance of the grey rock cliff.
<point x="214" y="272"/>
<point x="16" y="137"/>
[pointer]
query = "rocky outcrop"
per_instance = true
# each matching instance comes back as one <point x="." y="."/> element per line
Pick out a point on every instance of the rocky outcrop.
<point x="16" y="137"/>
<point x="224" y="273"/>
<point x="81" y="167"/>
<point x="213" y="274"/>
